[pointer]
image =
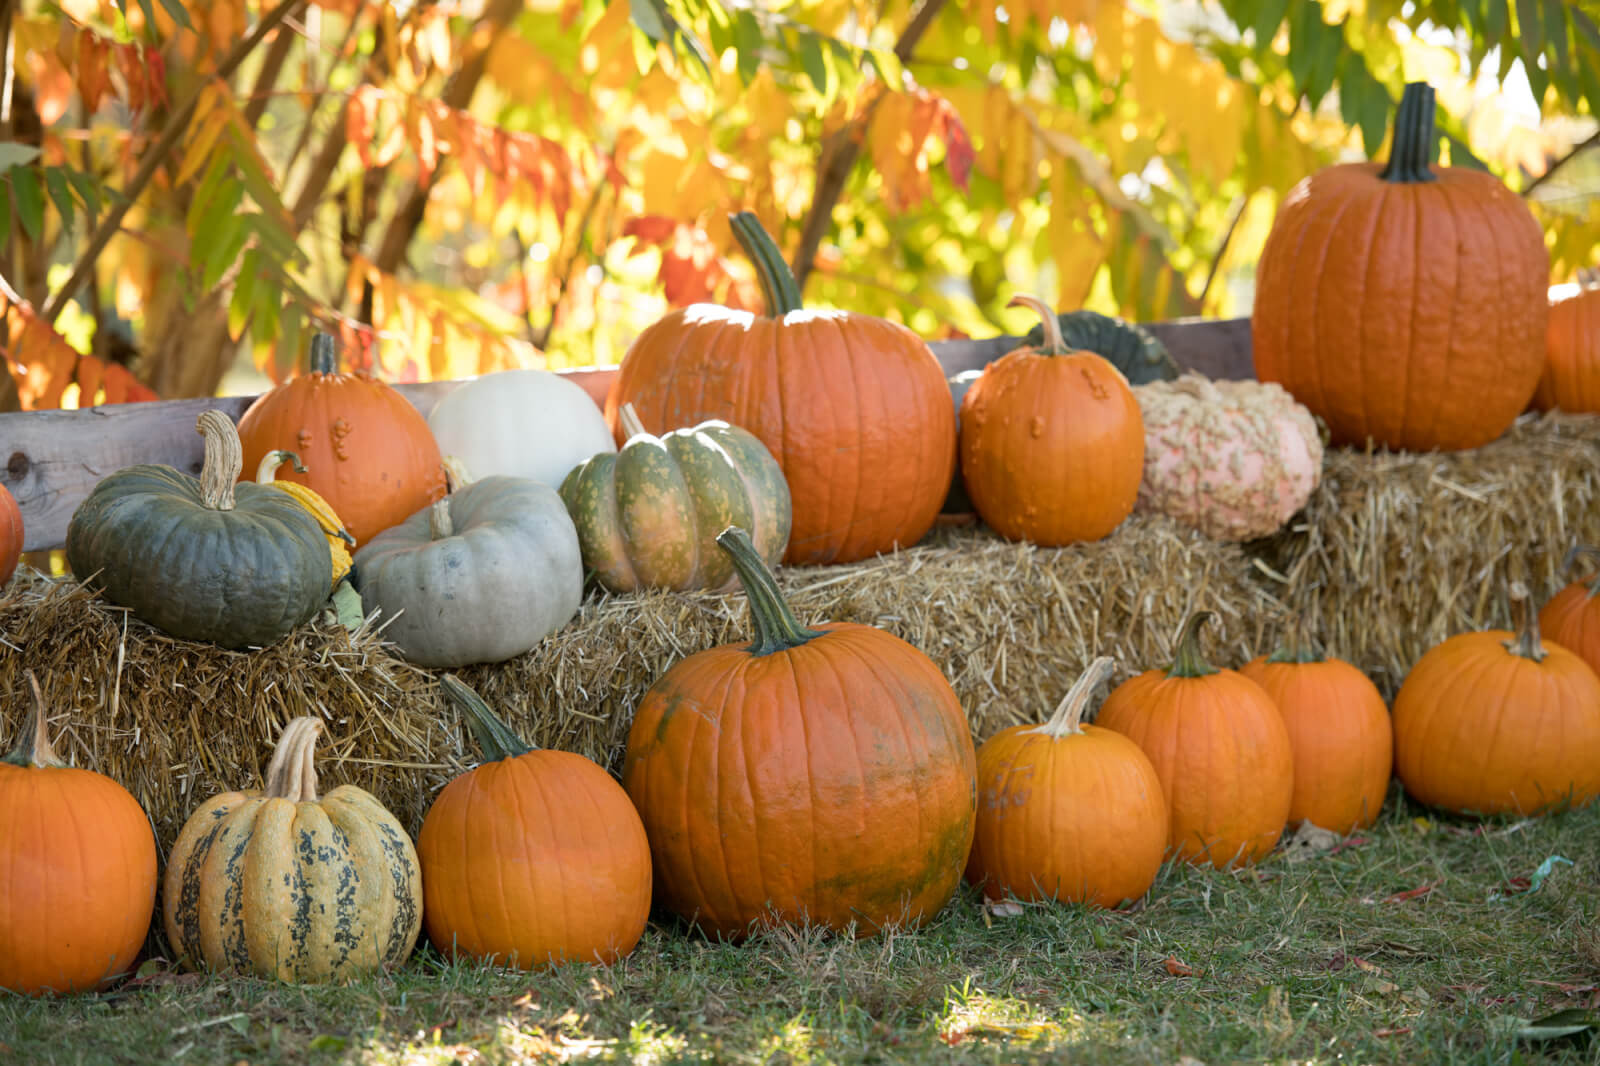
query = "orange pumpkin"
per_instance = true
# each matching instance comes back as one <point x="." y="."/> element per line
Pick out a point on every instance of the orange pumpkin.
<point x="1404" y="303"/>
<point x="1499" y="722"/>
<point x="368" y="451"/>
<point x="1339" y="731"/>
<point x="80" y="889"/>
<point x="531" y="858"/>
<point x="10" y="534"/>
<point x="854" y="408"/>
<point x="1571" y="378"/>
<point x="1220" y="747"/>
<point x="1067" y="811"/>
<point x="1052" y="442"/>
<point x="823" y="774"/>
<point x="1571" y="618"/>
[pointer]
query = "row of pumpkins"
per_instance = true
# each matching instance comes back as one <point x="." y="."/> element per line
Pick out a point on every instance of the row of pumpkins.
<point x="816" y="773"/>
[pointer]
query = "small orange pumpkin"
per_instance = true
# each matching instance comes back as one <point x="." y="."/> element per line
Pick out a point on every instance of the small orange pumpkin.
<point x="1067" y="811"/>
<point x="1052" y="442"/>
<point x="1571" y="379"/>
<point x="1499" y="722"/>
<point x="1571" y="618"/>
<point x="1220" y="747"/>
<point x="10" y="534"/>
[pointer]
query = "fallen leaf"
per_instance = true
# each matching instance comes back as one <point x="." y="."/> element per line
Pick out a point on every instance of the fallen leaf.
<point x="1178" y="969"/>
<point x="1382" y="1033"/>
<point x="1408" y="894"/>
<point x="1562" y="1023"/>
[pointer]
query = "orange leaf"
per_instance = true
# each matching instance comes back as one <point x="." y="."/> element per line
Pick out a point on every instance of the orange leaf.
<point x="1178" y="969"/>
<point x="94" y="77"/>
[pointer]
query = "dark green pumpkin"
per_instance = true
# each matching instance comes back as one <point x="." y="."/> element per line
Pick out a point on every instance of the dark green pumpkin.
<point x="205" y="559"/>
<point x="649" y="515"/>
<point x="1128" y="347"/>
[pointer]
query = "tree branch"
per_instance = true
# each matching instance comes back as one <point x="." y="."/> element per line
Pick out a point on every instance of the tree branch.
<point x="177" y="124"/>
<point x="541" y="340"/>
<point x="267" y="77"/>
<point x="1549" y="171"/>
<point x="841" y="150"/>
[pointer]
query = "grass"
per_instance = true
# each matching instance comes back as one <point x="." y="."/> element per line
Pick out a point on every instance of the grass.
<point x="1336" y="957"/>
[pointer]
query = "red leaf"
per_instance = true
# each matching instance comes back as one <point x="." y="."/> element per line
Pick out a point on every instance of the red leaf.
<point x="1412" y="893"/>
<point x="649" y="229"/>
<point x="1178" y="969"/>
<point x="958" y="151"/>
<point x="94" y="77"/>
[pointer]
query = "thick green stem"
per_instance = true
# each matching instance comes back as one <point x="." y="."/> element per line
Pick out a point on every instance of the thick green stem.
<point x="1189" y="662"/>
<point x="1068" y="717"/>
<point x="1525" y="621"/>
<point x="33" y="746"/>
<point x="324" y="357"/>
<point x="776" y="627"/>
<point x="1412" y="148"/>
<point x="267" y="469"/>
<point x="493" y="735"/>
<point x="1295" y="647"/>
<point x="1053" y="342"/>
<point x="777" y="281"/>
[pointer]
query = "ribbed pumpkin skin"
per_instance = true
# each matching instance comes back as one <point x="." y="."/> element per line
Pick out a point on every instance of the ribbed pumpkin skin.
<point x="314" y="891"/>
<point x="238" y="578"/>
<point x="1080" y="818"/>
<point x="1481" y="730"/>
<point x="10" y="534"/>
<point x="1221" y="750"/>
<point x="1571" y="378"/>
<point x="535" y="859"/>
<point x="1341" y="736"/>
<point x="832" y="781"/>
<point x="80" y="884"/>
<point x="1571" y="618"/>
<point x="649" y="514"/>
<point x="1052" y="447"/>
<point x="854" y="408"/>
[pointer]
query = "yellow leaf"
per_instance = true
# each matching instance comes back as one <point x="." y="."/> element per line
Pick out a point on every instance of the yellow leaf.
<point x="1075" y="248"/>
<point x="198" y="152"/>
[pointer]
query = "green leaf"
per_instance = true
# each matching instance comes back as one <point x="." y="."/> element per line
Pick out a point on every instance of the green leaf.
<point x="215" y="224"/>
<point x="86" y="188"/>
<point x="224" y="251"/>
<point x="29" y="196"/>
<point x="1568" y="1022"/>
<point x="1557" y="30"/>
<point x="13" y="154"/>
<point x="240" y="305"/>
<point x="291" y="321"/>
<point x="748" y="44"/>
<point x="179" y="15"/>
<point x="268" y="314"/>
<point x="61" y="195"/>
<point x="647" y="16"/>
<point x="1268" y="18"/>
<point x="5" y="212"/>
<point x="888" y="66"/>
<point x="1497" y="21"/>
<point x="811" y="58"/>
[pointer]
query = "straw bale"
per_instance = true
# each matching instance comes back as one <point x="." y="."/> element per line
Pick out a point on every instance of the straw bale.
<point x="1010" y="624"/>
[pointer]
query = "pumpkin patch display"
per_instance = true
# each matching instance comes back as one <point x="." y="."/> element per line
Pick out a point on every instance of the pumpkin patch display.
<point x="1405" y="302"/>
<point x="1499" y="722"/>
<point x="367" y="451"/>
<point x="237" y="565"/>
<point x="822" y="774"/>
<point x="1571" y="618"/>
<point x="10" y="535"/>
<point x="1052" y="442"/>
<point x="1339" y="731"/>
<point x="649" y="514"/>
<point x="854" y="408"/>
<point x="1233" y="459"/>
<point x="1220" y="748"/>
<point x="533" y="857"/>
<point x="1571" y="377"/>
<point x="1067" y="811"/>
<point x="80" y="890"/>
<point x="339" y="539"/>
<point x="520" y="423"/>
<point x="284" y="883"/>
<point x="477" y="577"/>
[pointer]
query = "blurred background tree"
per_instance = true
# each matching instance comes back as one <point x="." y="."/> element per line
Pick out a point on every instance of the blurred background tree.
<point x="188" y="189"/>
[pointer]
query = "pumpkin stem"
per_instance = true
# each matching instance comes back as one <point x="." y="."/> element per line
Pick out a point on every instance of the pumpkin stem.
<point x="324" y="355"/>
<point x="1296" y="648"/>
<point x="493" y="735"/>
<point x="439" y="524"/>
<point x="1525" y="620"/>
<point x="267" y="469"/>
<point x="224" y="459"/>
<point x="1189" y="662"/>
<point x="456" y="474"/>
<point x="33" y="746"/>
<point x="776" y="627"/>
<point x="292" y="773"/>
<point x="630" y="422"/>
<point x="1412" y="147"/>
<point x="1053" y="342"/>
<point x="1572" y="556"/>
<point x="1068" y="716"/>
<point x="777" y="281"/>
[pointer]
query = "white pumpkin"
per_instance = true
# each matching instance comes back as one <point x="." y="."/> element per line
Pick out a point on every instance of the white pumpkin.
<point x="532" y="424"/>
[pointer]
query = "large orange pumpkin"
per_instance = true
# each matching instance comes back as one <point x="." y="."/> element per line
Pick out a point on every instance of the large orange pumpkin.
<point x="1571" y="618"/>
<point x="531" y="858"/>
<point x="1571" y="379"/>
<point x="1339" y="731"/>
<point x="1067" y="811"/>
<point x="854" y="408"/>
<point x="1220" y="747"/>
<point x="368" y="451"/>
<point x="1404" y="303"/>
<point x="1052" y="442"/>
<point x="823" y="774"/>
<point x="10" y="534"/>
<point x="80" y="887"/>
<point x="1499" y="722"/>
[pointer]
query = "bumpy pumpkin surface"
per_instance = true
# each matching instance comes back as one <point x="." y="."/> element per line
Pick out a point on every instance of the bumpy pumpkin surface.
<point x="822" y="774"/>
<point x="1233" y="459"/>
<point x="10" y="534"/>
<point x="339" y="539"/>
<point x="286" y="884"/>
<point x="1404" y="303"/>
<point x="1067" y="811"/>
<point x="480" y="576"/>
<point x="854" y="408"/>
<point x="649" y="514"/>
<point x="1497" y="722"/>
<point x="1571" y="377"/>
<point x="531" y="858"/>
<point x="203" y="559"/>
<point x="80" y="889"/>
